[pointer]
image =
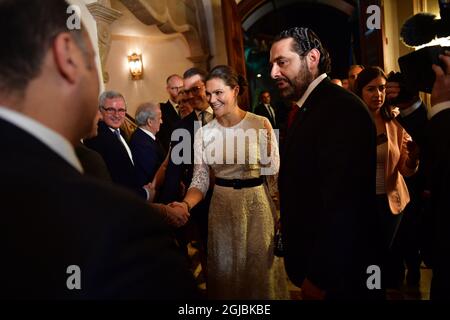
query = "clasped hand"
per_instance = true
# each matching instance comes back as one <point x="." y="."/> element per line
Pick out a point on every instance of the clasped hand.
<point x="177" y="214"/>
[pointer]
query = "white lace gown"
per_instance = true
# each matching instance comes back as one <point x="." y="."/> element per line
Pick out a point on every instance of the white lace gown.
<point x="241" y="263"/>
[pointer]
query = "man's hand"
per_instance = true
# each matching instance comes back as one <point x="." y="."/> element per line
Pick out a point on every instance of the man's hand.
<point x="441" y="87"/>
<point x="177" y="214"/>
<point x="311" y="292"/>
<point x="393" y="91"/>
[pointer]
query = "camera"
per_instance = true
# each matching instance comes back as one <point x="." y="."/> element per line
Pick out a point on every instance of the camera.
<point x="416" y="72"/>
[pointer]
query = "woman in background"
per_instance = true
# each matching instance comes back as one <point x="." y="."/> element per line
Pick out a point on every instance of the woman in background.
<point x="397" y="157"/>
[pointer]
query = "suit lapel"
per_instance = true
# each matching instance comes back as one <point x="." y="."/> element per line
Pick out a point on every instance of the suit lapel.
<point x="173" y="114"/>
<point x="302" y="115"/>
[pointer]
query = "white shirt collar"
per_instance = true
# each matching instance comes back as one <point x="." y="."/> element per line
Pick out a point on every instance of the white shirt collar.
<point x="438" y="108"/>
<point x="174" y="105"/>
<point x="49" y="137"/>
<point x="310" y="89"/>
<point x="148" y="133"/>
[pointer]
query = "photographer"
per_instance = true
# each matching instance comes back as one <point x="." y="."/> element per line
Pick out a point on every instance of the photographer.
<point x="432" y="132"/>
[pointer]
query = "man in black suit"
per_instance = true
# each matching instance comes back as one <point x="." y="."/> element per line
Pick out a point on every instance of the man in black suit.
<point x="113" y="147"/>
<point x="327" y="175"/>
<point x="145" y="148"/>
<point x="433" y="137"/>
<point x="179" y="166"/>
<point x="265" y="109"/>
<point x="169" y="109"/>
<point x="66" y="235"/>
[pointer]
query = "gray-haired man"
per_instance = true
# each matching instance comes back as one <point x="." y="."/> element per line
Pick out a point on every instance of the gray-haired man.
<point x="145" y="147"/>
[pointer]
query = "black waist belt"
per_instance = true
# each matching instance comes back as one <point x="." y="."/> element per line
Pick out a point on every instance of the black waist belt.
<point x="238" y="183"/>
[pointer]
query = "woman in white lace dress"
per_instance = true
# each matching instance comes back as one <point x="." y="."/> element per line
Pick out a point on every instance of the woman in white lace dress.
<point x="241" y="150"/>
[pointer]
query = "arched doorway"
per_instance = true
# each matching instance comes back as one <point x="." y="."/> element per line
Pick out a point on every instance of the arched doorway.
<point x="337" y="23"/>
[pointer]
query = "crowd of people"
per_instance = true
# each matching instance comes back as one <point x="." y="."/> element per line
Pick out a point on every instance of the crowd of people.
<point x="200" y="168"/>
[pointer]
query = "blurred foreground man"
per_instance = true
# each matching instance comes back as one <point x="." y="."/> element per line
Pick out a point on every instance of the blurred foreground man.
<point x="65" y="235"/>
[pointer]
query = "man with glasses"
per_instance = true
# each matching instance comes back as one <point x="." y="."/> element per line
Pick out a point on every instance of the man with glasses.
<point x="178" y="176"/>
<point x="184" y="107"/>
<point x="113" y="147"/>
<point x="170" y="110"/>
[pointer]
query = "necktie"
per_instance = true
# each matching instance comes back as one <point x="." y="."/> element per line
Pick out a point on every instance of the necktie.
<point x="203" y="117"/>
<point x="117" y="133"/>
<point x="292" y="114"/>
<point x="269" y="108"/>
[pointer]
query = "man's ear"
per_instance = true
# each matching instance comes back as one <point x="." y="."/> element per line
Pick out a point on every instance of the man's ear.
<point x="66" y="54"/>
<point x="314" y="58"/>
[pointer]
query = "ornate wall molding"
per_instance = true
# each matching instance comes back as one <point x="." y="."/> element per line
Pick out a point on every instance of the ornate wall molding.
<point x="104" y="16"/>
<point x="171" y="16"/>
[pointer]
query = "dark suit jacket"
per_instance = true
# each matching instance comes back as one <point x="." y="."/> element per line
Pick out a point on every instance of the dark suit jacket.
<point x="261" y="110"/>
<point x="327" y="193"/>
<point x="53" y="217"/>
<point x="176" y="173"/>
<point x="147" y="155"/>
<point x="116" y="158"/>
<point x="170" y="118"/>
<point x="433" y="137"/>
<point x="92" y="162"/>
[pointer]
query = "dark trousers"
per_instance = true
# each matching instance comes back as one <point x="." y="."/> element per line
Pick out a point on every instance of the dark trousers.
<point x="392" y="271"/>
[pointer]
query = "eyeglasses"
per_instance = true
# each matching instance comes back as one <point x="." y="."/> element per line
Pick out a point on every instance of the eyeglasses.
<point x="176" y="88"/>
<point x="113" y="111"/>
<point x="194" y="90"/>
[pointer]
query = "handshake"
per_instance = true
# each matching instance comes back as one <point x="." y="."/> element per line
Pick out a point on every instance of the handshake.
<point x="177" y="214"/>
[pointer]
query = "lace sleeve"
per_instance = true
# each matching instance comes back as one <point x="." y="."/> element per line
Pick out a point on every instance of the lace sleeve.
<point x="270" y="159"/>
<point x="200" y="179"/>
<point x="270" y="156"/>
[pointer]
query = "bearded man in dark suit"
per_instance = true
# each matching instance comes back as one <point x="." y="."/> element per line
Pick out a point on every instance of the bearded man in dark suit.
<point x="327" y="175"/>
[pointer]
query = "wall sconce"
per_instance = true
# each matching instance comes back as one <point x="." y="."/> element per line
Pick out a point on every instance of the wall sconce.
<point x="136" y="66"/>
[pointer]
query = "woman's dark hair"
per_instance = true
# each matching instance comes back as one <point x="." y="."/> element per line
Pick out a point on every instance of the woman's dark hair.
<point x="365" y="76"/>
<point x="229" y="76"/>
